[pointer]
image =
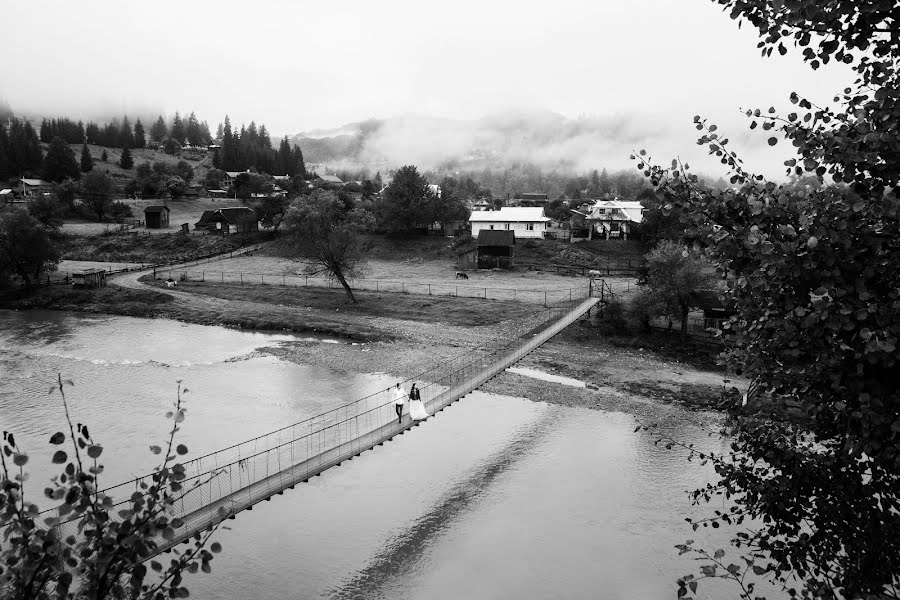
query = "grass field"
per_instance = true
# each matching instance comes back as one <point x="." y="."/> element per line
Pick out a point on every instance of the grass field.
<point x="180" y="211"/>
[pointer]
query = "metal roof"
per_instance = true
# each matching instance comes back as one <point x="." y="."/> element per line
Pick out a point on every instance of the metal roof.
<point x="510" y="214"/>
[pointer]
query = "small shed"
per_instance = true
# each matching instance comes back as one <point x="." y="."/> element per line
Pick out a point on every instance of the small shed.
<point x="496" y="248"/>
<point x="467" y="256"/>
<point x="89" y="279"/>
<point x="156" y="217"/>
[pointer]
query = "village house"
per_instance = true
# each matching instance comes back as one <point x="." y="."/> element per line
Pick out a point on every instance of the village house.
<point x="533" y="199"/>
<point x="525" y="221"/>
<point x="611" y="218"/>
<point x="225" y="221"/>
<point x="481" y="204"/>
<point x="30" y="188"/>
<point x="229" y="178"/>
<point x="330" y="182"/>
<point x="496" y="249"/>
<point x="156" y="217"/>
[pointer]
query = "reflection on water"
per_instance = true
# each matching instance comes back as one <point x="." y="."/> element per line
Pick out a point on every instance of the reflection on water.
<point x="494" y="497"/>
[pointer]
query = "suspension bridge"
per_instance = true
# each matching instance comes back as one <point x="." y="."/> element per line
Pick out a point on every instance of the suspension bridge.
<point x="223" y="483"/>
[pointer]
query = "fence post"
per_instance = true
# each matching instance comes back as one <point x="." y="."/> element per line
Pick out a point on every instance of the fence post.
<point x="262" y="278"/>
<point x="222" y="275"/>
<point x="282" y="281"/>
<point x="485" y="293"/>
<point x="202" y="275"/>
<point x="545" y="299"/>
<point x="429" y="289"/>
<point x="242" y="279"/>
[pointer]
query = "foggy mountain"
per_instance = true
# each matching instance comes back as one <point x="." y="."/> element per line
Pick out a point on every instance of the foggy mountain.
<point x="543" y="138"/>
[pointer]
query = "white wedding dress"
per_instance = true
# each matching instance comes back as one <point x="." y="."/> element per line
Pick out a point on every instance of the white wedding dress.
<point x="417" y="410"/>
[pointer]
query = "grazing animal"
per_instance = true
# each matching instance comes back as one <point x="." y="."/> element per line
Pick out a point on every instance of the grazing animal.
<point x="170" y="282"/>
<point x="594" y="273"/>
<point x="461" y="275"/>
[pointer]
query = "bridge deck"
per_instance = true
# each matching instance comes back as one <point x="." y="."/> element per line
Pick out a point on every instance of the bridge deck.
<point x="234" y="479"/>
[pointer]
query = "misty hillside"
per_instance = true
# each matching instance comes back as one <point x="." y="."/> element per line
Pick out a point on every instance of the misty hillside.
<point x="547" y="139"/>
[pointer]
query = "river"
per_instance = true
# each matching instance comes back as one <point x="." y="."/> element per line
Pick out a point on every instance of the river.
<point x="497" y="497"/>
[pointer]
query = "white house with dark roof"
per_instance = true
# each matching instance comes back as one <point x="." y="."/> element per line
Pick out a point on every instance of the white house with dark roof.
<point x="525" y="221"/>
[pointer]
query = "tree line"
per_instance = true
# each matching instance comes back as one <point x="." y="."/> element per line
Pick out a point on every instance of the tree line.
<point x="252" y="147"/>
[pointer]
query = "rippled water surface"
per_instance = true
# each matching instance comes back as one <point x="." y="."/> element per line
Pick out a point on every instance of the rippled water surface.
<point x="496" y="497"/>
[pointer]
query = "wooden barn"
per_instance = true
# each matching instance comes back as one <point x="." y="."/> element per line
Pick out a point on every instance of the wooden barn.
<point x="496" y="248"/>
<point x="156" y="217"/>
<point x="89" y="279"/>
<point x="239" y="219"/>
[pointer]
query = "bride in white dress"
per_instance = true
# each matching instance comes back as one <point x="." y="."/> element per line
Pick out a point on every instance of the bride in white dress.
<point x="416" y="407"/>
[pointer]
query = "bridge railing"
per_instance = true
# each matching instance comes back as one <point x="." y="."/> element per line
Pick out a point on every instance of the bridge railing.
<point x="222" y="483"/>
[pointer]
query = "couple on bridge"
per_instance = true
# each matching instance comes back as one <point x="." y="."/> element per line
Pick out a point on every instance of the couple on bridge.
<point x="416" y="407"/>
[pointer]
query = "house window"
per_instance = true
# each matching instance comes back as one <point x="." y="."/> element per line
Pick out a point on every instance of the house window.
<point x="506" y="225"/>
<point x="602" y="211"/>
<point x="492" y="226"/>
<point x="530" y="226"/>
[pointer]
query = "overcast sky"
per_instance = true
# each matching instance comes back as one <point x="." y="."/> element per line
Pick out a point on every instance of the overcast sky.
<point x="298" y="65"/>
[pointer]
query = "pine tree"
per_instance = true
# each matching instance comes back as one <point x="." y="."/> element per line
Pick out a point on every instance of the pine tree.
<point x="87" y="163"/>
<point x="126" y="134"/>
<point x="4" y="153"/>
<point x="216" y="159"/>
<point x="140" y="139"/>
<point x="104" y="157"/>
<point x="227" y="147"/>
<point x="24" y="151"/>
<point x="60" y="162"/>
<point x="205" y="136"/>
<point x="299" y="164"/>
<point x="45" y="131"/>
<point x="126" y="162"/>
<point x="192" y="130"/>
<point x="159" y="130"/>
<point x="177" y="131"/>
<point x="286" y="165"/>
<point x="219" y="132"/>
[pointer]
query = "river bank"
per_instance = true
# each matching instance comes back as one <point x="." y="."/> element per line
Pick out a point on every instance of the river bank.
<point x="406" y="334"/>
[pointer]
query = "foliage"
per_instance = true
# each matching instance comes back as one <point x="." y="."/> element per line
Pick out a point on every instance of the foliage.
<point x="87" y="162"/>
<point x="406" y="202"/>
<point x="24" y="156"/>
<point x="815" y="276"/>
<point x="674" y="278"/>
<point x="176" y="186"/>
<point x="105" y="557"/>
<point x="4" y="152"/>
<point x="126" y="161"/>
<point x="270" y="210"/>
<point x="48" y="211"/>
<point x="140" y="138"/>
<point x="214" y="178"/>
<point x="104" y="156"/>
<point x="322" y="227"/>
<point x="247" y="184"/>
<point x="25" y="248"/>
<point x="65" y="191"/>
<point x="97" y="191"/>
<point x="120" y="210"/>
<point x="184" y="170"/>
<point x="60" y="163"/>
<point x="171" y="146"/>
<point x="159" y="130"/>
<point x="67" y="129"/>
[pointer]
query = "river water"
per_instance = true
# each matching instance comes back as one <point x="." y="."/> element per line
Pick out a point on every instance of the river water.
<point x="497" y="497"/>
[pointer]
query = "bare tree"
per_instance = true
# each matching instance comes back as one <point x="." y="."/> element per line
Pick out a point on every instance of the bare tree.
<point x="324" y="229"/>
